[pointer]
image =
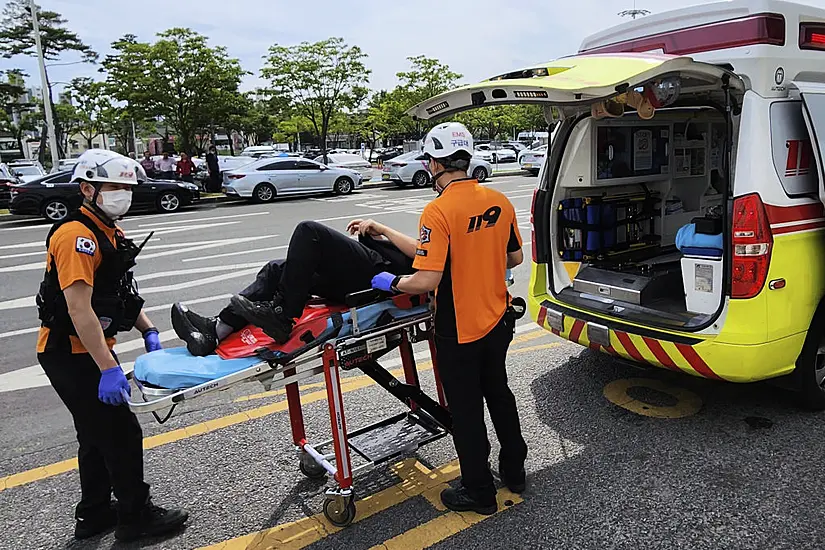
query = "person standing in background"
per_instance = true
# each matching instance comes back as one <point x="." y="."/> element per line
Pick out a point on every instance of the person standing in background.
<point x="148" y="164"/>
<point x="214" y="181"/>
<point x="166" y="167"/>
<point x="185" y="168"/>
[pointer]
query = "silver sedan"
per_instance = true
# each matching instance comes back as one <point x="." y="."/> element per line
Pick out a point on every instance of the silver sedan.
<point x="265" y="179"/>
<point x="412" y="168"/>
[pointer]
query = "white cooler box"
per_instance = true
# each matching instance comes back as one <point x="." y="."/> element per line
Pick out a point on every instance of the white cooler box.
<point x="702" y="277"/>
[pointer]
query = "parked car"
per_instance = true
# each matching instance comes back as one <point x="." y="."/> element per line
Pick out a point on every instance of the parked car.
<point x="412" y="168"/>
<point x="384" y="155"/>
<point x="350" y="162"/>
<point x="266" y="179"/>
<point x="495" y="154"/>
<point x="27" y="170"/>
<point x="531" y="160"/>
<point x="64" y="164"/>
<point x="257" y="150"/>
<point x="55" y="196"/>
<point x="7" y="179"/>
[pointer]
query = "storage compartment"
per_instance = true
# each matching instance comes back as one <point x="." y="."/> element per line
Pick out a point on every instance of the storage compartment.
<point x="620" y="204"/>
<point x="702" y="280"/>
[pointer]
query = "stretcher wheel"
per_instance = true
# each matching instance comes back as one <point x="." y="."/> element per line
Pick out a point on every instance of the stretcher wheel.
<point x="336" y="514"/>
<point x="310" y="468"/>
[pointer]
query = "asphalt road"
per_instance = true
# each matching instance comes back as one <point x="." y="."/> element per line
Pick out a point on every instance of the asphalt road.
<point x="698" y="465"/>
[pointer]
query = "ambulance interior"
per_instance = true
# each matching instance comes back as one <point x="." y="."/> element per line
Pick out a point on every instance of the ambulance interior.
<point x="625" y="186"/>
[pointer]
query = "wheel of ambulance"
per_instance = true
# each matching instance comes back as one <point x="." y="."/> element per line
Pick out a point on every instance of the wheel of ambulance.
<point x="310" y="468"/>
<point x="264" y="192"/>
<point x="480" y="173"/>
<point x="421" y="179"/>
<point x="168" y="202"/>
<point x="336" y="515"/>
<point x="343" y="186"/>
<point x="55" y="210"/>
<point x="811" y="371"/>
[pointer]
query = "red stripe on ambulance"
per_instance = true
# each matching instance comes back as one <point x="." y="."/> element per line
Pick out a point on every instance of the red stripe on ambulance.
<point x="697" y="362"/>
<point x="660" y="354"/>
<point x="629" y="347"/>
<point x="576" y="331"/>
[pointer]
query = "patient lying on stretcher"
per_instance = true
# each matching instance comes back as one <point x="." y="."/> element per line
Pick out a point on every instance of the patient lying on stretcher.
<point x="319" y="262"/>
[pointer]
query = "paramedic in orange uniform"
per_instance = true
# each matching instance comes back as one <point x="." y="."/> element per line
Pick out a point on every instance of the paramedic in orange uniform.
<point x="468" y="238"/>
<point x="86" y="297"/>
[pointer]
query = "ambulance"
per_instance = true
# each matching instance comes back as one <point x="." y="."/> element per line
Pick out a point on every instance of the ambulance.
<point x="678" y="220"/>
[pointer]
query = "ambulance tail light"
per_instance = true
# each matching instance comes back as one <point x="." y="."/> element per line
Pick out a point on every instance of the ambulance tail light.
<point x="752" y="243"/>
<point x="533" y="248"/>
<point x="812" y="36"/>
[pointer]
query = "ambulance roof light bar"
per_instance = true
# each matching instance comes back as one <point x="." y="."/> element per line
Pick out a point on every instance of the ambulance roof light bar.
<point x="763" y="28"/>
<point x="812" y="36"/>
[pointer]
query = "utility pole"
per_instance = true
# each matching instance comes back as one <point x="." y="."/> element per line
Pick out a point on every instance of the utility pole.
<point x="44" y="85"/>
<point x="134" y="137"/>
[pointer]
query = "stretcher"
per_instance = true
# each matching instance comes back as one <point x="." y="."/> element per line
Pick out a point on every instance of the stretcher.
<point x="327" y="340"/>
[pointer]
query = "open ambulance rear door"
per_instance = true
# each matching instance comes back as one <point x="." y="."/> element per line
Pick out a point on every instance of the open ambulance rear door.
<point x="813" y="96"/>
<point x="578" y="81"/>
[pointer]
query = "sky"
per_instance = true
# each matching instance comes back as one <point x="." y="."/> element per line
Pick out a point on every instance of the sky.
<point x="476" y="38"/>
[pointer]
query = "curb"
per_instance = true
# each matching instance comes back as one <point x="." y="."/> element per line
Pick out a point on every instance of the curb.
<point x="381" y="184"/>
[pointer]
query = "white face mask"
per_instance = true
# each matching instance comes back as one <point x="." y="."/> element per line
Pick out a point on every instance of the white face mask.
<point x="115" y="203"/>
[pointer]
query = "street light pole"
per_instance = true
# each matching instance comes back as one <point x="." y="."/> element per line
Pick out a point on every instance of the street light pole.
<point x="47" y="104"/>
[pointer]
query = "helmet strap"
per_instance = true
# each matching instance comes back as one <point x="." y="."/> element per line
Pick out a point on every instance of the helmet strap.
<point x="95" y="209"/>
<point x="436" y="187"/>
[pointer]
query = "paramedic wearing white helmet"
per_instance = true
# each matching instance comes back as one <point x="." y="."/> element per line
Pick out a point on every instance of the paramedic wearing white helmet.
<point x="468" y="238"/>
<point x="86" y="297"/>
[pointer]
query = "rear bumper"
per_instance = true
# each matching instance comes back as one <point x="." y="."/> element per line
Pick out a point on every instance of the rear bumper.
<point x="694" y="354"/>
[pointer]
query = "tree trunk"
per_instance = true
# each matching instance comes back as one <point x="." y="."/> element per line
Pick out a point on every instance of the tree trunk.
<point x="41" y="153"/>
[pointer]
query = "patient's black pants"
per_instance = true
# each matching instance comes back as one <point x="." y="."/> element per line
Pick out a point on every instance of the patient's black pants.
<point x="320" y="262"/>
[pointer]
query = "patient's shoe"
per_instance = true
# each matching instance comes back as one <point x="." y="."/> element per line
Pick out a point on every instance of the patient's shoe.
<point x="269" y="316"/>
<point x="197" y="331"/>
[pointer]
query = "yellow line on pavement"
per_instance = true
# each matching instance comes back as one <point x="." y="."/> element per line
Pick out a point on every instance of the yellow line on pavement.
<point x="347" y="385"/>
<point x="415" y="479"/>
<point x="445" y="526"/>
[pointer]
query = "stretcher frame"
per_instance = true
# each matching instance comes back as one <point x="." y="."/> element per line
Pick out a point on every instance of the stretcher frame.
<point x="360" y="350"/>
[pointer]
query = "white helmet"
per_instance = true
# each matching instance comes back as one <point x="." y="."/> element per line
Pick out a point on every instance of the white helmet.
<point x="99" y="166"/>
<point x="447" y="139"/>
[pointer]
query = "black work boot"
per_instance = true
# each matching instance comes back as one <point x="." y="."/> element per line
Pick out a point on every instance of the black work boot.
<point x="269" y="316"/>
<point x="459" y="500"/>
<point x="87" y="527"/>
<point x="197" y="331"/>
<point x="516" y="483"/>
<point x="151" y="521"/>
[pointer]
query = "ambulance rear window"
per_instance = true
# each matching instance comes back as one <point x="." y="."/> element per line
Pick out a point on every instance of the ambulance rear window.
<point x="792" y="149"/>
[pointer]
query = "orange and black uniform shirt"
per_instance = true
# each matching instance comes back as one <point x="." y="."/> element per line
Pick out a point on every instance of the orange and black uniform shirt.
<point x="75" y="253"/>
<point x="467" y="233"/>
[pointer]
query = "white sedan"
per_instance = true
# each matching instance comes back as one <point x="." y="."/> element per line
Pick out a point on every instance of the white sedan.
<point x="412" y="168"/>
<point x="27" y="171"/>
<point x="350" y="162"/>
<point x="494" y="154"/>
<point x="265" y="179"/>
<point x="531" y="160"/>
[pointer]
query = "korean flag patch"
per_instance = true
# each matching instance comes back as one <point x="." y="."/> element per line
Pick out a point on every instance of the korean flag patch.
<point x="85" y="246"/>
<point x="424" y="237"/>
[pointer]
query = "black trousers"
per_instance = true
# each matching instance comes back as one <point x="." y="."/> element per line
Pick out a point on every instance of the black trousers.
<point x="471" y="374"/>
<point x="110" y="456"/>
<point x="320" y="261"/>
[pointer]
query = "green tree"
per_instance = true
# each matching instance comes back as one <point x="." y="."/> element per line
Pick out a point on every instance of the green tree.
<point x="17" y="38"/>
<point x="92" y="105"/>
<point x="319" y="80"/>
<point x="179" y="78"/>
<point x="69" y="126"/>
<point x="426" y="78"/>
<point x="16" y="117"/>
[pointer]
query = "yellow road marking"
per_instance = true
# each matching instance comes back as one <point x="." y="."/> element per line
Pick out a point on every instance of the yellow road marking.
<point x="415" y="479"/>
<point x="687" y="402"/>
<point x="443" y="527"/>
<point x="347" y="385"/>
<point x="531" y="335"/>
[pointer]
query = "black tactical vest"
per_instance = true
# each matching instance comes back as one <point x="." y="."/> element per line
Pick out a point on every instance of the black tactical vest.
<point x="115" y="300"/>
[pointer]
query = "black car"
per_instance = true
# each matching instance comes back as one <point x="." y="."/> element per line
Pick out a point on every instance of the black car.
<point x="54" y="196"/>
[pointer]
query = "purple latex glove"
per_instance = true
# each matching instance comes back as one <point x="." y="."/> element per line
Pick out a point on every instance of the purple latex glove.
<point x="112" y="385"/>
<point x="151" y="340"/>
<point x="383" y="281"/>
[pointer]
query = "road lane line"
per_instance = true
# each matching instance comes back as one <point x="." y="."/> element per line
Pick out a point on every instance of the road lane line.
<point x="239" y="253"/>
<point x="194" y="271"/>
<point x="187" y="249"/>
<point x="415" y="479"/>
<point x="146" y="310"/>
<point x="28" y="301"/>
<point x="443" y="527"/>
<point x="221" y="218"/>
